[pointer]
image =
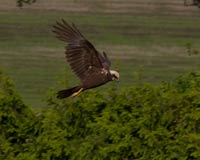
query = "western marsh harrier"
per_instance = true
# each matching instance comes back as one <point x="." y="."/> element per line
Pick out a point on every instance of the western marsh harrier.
<point x="87" y="63"/>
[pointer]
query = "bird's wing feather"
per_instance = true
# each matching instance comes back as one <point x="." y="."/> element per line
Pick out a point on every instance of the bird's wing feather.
<point x="80" y="53"/>
<point x="105" y="61"/>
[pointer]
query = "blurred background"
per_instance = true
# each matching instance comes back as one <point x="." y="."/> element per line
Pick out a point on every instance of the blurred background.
<point x="147" y="41"/>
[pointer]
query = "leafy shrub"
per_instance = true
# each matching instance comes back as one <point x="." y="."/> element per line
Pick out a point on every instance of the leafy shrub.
<point x="16" y="121"/>
<point x="141" y="122"/>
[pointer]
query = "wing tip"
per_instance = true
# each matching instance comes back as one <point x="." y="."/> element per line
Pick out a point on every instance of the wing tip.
<point x="63" y="28"/>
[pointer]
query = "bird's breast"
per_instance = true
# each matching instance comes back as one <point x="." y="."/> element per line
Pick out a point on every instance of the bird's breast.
<point x="97" y="78"/>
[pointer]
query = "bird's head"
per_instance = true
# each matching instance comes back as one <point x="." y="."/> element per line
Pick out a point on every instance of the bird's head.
<point x="115" y="75"/>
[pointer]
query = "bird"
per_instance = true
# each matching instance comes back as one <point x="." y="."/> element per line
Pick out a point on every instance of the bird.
<point x="89" y="65"/>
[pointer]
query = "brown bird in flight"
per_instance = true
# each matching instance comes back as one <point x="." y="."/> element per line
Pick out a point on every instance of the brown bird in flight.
<point x="87" y="63"/>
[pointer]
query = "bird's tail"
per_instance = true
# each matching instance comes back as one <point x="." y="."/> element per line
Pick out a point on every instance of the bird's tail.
<point x="69" y="92"/>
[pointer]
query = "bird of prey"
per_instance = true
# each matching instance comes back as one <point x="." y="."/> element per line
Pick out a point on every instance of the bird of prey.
<point x="91" y="67"/>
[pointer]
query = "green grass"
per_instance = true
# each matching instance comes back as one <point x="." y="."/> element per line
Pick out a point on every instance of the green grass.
<point x="34" y="58"/>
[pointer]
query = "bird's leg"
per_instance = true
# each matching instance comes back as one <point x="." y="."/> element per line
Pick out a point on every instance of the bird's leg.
<point x="77" y="93"/>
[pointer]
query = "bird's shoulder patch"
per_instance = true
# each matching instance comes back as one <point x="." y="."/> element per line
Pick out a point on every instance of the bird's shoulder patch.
<point x="104" y="71"/>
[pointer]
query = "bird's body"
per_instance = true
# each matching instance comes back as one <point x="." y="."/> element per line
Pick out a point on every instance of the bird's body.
<point x="88" y="64"/>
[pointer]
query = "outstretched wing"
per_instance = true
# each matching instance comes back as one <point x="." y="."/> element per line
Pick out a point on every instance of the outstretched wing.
<point x="80" y="53"/>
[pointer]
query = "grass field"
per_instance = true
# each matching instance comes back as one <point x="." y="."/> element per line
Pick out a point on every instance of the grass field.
<point x="148" y="41"/>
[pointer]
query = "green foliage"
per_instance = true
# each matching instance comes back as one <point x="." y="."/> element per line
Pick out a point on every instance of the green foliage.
<point x="16" y="121"/>
<point x="141" y="122"/>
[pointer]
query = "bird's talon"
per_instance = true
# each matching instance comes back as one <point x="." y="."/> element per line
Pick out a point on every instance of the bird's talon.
<point x="77" y="93"/>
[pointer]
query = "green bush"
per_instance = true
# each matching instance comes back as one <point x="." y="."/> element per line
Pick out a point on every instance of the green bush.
<point x="16" y="121"/>
<point x="141" y="122"/>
